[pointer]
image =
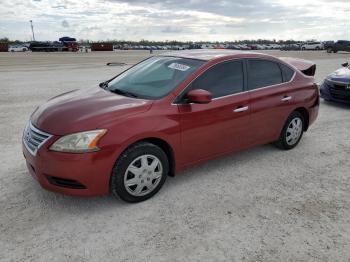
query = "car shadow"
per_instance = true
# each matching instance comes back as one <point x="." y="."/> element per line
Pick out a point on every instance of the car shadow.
<point x="223" y="163"/>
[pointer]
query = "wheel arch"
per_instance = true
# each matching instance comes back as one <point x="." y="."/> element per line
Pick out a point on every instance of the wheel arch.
<point x="164" y="145"/>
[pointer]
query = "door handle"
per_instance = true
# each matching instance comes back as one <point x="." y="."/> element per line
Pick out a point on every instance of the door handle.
<point x="286" y="98"/>
<point x="241" y="109"/>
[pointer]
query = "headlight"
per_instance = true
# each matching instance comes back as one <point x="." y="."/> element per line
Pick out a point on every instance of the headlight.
<point x="79" y="142"/>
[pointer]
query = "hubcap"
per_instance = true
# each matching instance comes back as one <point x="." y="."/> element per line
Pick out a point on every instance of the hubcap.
<point x="143" y="175"/>
<point x="294" y="131"/>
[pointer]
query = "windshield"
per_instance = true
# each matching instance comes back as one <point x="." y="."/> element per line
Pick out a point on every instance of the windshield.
<point x="153" y="78"/>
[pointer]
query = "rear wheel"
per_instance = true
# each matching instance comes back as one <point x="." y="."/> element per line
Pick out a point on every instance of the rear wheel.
<point x="292" y="131"/>
<point x="139" y="173"/>
<point x="329" y="50"/>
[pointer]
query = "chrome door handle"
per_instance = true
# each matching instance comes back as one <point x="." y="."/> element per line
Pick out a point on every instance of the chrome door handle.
<point x="241" y="109"/>
<point x="286" y="98"/>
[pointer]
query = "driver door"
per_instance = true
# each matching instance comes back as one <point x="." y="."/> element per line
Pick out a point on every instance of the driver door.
<point x="222" y="125"/>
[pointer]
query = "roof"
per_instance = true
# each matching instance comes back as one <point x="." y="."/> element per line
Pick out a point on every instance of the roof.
<point x="207" y="54"/>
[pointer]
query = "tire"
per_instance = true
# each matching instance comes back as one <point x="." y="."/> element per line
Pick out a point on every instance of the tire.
<point x="329" y="50"/>
<point x="141" y="183"/>
<point x="287" y="142"/>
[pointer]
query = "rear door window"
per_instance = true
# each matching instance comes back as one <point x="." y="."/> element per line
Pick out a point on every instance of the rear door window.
<point x="263" y="73"/>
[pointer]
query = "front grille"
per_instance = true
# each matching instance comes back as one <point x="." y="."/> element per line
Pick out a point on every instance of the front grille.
<point x="339" y="90"/>
<point x="33" y="138"/>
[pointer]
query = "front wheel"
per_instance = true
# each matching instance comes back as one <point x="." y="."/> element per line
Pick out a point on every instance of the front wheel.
<point x="139" y="173"/>
<point x="292" y="131"/>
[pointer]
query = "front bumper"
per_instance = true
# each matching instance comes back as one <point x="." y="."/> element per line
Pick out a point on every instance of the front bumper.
<point x="72" y="174"/>
<point x="326" y="94"/>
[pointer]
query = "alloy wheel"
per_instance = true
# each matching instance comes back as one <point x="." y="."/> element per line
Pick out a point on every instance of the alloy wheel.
<point x="294" y="131"/>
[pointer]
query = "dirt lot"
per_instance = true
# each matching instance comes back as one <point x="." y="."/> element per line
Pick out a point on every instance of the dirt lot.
<point x="259" y="205"/>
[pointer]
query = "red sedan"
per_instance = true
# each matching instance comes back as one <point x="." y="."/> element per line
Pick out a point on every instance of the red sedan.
<point x="164" y="114"/>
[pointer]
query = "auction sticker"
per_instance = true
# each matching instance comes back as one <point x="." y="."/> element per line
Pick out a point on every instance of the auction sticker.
<point x="178" y="66"/>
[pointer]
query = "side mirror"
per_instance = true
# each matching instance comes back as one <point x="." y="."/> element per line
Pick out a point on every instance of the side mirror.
<point x="199" y="96"/>
<point x="103" y="84"/>
<point x="345" y="64"/>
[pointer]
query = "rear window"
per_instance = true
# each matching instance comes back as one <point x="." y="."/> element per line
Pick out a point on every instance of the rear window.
<point x="263" y="73"/>
<point x="287" y="73"/>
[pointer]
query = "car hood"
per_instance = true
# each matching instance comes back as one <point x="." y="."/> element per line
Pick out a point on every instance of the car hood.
<point x="85" y="109"/>
<point x="340" y="75"/>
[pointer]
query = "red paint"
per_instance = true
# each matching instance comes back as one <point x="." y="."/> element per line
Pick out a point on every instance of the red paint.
<point x="199" y="96"/>
<point x="101" y="47"/>
<point x="4" y="47"/>
<point x="195" y="132"/>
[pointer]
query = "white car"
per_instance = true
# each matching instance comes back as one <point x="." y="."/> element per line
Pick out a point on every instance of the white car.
<point x="17" y="48"/>
<point x="275" y="46"/>
<point x="312" y="46"/>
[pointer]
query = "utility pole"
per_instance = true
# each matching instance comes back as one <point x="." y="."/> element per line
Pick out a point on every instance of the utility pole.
<point x="31" y="25"/>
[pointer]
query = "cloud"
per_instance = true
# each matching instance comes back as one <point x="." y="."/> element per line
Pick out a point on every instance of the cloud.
<point x="65" y="24"/>
<point x="205" y="20"/>
<point x="171" y="30"/>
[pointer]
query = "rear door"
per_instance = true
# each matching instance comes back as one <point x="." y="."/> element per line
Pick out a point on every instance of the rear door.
<point x="271" y="98"/>
<point x="223" y="124"/>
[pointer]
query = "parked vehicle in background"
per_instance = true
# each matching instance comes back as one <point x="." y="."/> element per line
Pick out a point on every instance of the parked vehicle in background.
<point x="244" y="47"/>
<point x="233" y="47"/>
<point x="312" y="46"/>
<point x="46" y="46"/>
<point x="207" y="46"/>
<point x="341" y="45"/>
<point x="4" y="47"/>
<point x="195" y="46"/>
<point x="336" y="87"/>
<point x="275" y="46"/>
<point x="290" y="47"/>
<point x="69" y="44"/>
<point x="17" y="48"/>
<point x="102" y="47"/>
<point x="167" y="113"/>
<point x="253" y="47"/>
<point x="218" y="46"/>
<point x="64" y="44"/>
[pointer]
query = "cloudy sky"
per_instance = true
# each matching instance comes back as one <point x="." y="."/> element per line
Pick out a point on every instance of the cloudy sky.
<point x="207" y="20"/>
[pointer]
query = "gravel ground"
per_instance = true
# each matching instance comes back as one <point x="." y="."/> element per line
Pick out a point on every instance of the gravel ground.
<point x="262" y="204"/>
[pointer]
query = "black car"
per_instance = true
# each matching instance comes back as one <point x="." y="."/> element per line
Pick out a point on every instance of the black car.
<point x="341" y="45"/>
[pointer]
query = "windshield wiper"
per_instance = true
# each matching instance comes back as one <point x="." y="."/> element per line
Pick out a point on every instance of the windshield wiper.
<point x="122" y="92"/>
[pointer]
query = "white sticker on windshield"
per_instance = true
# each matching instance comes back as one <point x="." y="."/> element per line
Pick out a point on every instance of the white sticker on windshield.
<point x="180" y="67"/>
